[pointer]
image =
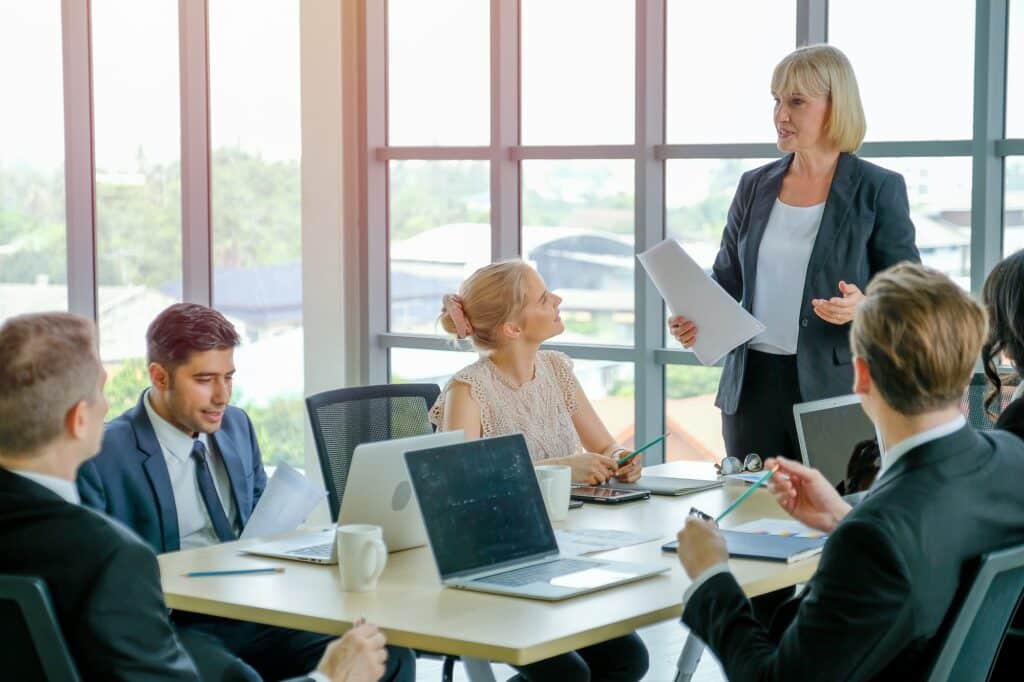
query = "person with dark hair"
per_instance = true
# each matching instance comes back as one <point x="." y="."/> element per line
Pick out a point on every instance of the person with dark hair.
<point x="103" y="581"/>
<point x="862" y="469"/>
<point x="183" y="469"/>
<point x="1003" y="296"/>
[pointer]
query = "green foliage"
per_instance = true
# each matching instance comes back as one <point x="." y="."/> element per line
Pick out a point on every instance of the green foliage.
<point x="705" y="220"/>
<point x="124" y="385"/>
<point x="32" y="221"/>
<point x="686" y="381"/>
<point x="427" y="195"/>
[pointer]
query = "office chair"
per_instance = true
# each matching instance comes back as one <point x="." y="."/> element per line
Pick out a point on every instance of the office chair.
<point x="31" y="644"/>
<point x="972" y="404"/>
<point x="979" y="621"/>
<point x="347" y="417"/>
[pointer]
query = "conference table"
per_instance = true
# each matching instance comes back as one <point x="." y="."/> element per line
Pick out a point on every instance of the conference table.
<point x="414" y="610"/>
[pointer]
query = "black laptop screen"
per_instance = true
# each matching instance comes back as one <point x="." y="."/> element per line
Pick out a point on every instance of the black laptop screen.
<point x="830" y="435"/>
<point x="481" y="503"/>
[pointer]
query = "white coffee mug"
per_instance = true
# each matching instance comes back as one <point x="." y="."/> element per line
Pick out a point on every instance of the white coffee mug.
<point x="362" y="556"/>
<point x="555" y="482"/>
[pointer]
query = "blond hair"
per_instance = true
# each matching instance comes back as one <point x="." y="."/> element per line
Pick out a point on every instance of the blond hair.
<point x="48" y="363"/>
<point x="920" y="334"/>
<point x="491" y="296"/>
<point x="818" y="70"/>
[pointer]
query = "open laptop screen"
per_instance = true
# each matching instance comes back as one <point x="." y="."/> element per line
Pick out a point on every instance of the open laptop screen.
<point x="828" y="431"/>
<point x="481" y="504"/>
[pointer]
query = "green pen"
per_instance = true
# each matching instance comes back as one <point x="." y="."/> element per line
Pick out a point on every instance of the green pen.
<point x="626" y="460"/>
<point x="745" y="495"/>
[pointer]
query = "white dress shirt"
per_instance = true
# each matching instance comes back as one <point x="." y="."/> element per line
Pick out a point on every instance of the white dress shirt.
<point x="782" y="260"/>
<point x="66" y="489"/>
<point x="194" y="526"/>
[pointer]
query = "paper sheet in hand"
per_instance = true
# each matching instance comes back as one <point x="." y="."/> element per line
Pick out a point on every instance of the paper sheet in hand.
<point x="579" y="541"/>
<point x="722" y="323"/>
<point x="287" y="501"/>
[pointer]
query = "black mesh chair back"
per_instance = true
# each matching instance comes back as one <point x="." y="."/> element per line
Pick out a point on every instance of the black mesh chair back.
<point x="972" y="404"/>
<point x="347" y="417"/>
<point x="979" y="621"/>
<point x="31" y="644"/>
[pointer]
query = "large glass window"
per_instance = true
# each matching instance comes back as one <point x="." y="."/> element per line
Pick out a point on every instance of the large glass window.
<point x="138" y="180"/>
<point x="439" y="72"/>
<point x="1013" y="223"/>
<point x="33" y="246"/>
<point x="916" y="84"/>
<point x="719" y="90"/>
<point x="939" y="190"/>
<point x="440" y="232"/>
<point x="578" y="75"/>
<point x="1015" y="72"/>
<point x="256" y="208"/>
<point x="578" y="232"/>
<point x="690" y="414"/>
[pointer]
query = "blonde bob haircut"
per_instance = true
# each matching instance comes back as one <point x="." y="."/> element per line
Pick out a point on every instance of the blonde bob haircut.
<point x="818" y="70"/>
<point x="491" y="296"/>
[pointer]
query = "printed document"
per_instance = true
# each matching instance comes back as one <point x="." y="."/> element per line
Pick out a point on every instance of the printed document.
<point x="287" y="501"/>
<point x="722" y="323"/>
<point x="579" y="541"/>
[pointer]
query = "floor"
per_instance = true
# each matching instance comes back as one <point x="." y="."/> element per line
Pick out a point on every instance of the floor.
<point x="664" y="642"/>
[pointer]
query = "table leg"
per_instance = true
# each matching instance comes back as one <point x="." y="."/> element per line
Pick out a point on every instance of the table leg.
<point x="689" y="657"/>
<point x="478" y="670"/>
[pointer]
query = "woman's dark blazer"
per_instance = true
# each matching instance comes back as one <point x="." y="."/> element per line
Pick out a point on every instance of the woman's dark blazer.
<point x="1012" y="418"/>
<point x="864" y="229"/>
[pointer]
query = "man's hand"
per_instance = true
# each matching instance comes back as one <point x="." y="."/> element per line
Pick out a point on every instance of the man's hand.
<point x="806" y="495"/>
<point x="359" y="656"/>
<point x="701" y="546"/>
<point x="838" y="310"/>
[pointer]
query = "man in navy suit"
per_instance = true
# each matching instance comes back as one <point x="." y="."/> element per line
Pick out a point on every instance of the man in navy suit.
<point x="183" y="470"/>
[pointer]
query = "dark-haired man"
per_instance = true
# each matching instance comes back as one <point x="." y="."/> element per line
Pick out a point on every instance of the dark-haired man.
<point x="103" y="581"/>
<point x="183" y="469"/>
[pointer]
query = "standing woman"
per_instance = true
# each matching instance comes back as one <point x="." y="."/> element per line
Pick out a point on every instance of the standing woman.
<point x="804" y="235"/>
<point x="1003" y="295"/>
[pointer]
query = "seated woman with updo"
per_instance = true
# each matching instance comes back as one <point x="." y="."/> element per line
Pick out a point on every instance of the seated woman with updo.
<point x="507" y="311"/>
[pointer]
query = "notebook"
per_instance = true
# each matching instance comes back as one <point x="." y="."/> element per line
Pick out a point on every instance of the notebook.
<point x="770" y="540"/>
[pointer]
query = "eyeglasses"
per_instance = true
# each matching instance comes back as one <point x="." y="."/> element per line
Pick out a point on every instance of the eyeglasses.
<point x="733" y="465"/>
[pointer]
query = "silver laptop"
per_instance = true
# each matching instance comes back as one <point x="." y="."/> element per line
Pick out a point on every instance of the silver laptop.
<point x="377" y="491"/>
<point x="828" y="431"/>
<point x="488" y="529"/>
<point x="667" y="485"/>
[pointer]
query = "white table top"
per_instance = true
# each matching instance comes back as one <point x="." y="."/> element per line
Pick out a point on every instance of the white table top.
<point x="414" y="609"/>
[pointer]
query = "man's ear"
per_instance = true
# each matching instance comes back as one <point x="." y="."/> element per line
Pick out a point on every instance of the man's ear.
<point x="159" y="376"/>
<point x="75" y="420"/>
<point x="861" y="376"/>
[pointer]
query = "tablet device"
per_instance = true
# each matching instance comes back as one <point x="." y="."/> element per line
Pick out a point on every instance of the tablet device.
<point x="593" y="493"/>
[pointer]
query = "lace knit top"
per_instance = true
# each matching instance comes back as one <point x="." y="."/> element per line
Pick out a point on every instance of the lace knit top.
<point x="540" y="409"/>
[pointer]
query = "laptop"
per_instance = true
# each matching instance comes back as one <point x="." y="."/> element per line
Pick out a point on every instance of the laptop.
<point x="488" y="530"/>
<point x="666" y="485"/>
<point x="378" y="492"/>
<point x="828" y="430"/>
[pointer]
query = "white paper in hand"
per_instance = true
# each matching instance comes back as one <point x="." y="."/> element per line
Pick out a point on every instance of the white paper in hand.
<point x="287" y="501"/>
<point x="722" y="323"/>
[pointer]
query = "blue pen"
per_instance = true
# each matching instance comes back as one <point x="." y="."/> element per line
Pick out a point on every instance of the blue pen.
<point x="236" y="571"/>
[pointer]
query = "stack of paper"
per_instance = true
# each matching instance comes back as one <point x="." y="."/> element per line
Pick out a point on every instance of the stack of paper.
<point x="579" y="541"/>
<point x="722" y="323"/>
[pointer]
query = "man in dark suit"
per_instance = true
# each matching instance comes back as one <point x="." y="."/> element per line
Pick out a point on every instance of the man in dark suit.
<point x="183" y="470"/>
<point x="892" y="566"/>
<point x="103" y="580"/>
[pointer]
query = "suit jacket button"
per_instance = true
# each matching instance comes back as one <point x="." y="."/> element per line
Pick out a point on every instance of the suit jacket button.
<point x="803" y="322"/>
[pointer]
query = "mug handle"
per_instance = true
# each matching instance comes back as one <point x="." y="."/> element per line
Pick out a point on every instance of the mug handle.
<point x="375" y="556"/>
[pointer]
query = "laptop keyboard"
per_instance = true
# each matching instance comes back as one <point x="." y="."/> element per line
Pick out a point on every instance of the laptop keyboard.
<point x="539" y="573"/>
<point x="313" y="551"/>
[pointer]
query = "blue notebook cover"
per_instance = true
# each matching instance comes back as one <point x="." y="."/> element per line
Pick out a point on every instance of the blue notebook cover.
<point x="771" y="547"/>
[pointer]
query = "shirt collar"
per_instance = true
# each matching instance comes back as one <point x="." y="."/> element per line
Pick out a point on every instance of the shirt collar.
<point x="173" y="440"/>
<point x="893" y="454"/>
<point x="66" y="489"/>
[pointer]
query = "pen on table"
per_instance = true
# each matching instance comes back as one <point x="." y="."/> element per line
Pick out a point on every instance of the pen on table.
<point x="626" y="460"/>
<point x="757" y="484"/>
<point x="234" y="571"/>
